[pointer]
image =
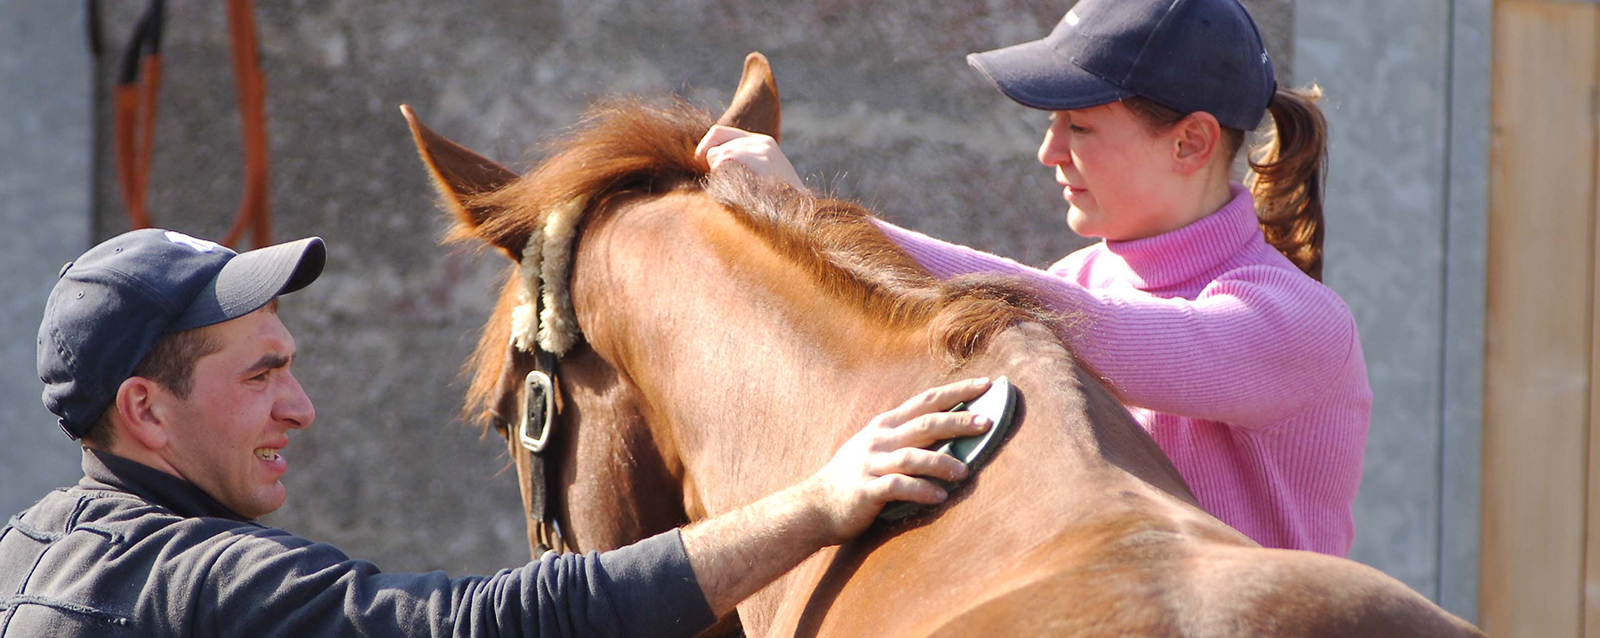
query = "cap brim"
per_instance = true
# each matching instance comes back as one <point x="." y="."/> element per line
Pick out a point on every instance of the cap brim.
<point x="252" y="279"/>
<point x="1037" y="76"/>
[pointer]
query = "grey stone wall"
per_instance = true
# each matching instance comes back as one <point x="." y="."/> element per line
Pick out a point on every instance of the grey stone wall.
<point x="44" y="201"/>
<point x="879" y="105"/>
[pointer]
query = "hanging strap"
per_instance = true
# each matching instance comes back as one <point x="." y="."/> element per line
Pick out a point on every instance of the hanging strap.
<point x="252" y="91"/>
<point x="134" y="106"/>
<point x="134" y="115"/>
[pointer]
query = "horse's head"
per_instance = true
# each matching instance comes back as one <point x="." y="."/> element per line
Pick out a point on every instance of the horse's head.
<point x="613" y="479"/>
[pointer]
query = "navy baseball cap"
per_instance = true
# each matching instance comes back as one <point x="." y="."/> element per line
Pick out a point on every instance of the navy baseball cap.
<point x="1187" y="55"/>
<point x="111" y="305"/>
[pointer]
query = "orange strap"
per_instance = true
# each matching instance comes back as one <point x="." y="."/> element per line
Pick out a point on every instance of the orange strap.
<point x="134" y="117"/>
<point x="252" y="91"/>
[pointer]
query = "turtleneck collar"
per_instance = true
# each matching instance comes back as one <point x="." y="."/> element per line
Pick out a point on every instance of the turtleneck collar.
<point x="1174" y="257"/>
<point x="103" y="470"/>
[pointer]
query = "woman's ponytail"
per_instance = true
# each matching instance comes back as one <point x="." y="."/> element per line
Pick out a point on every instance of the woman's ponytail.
<point x="1287" y="183"/>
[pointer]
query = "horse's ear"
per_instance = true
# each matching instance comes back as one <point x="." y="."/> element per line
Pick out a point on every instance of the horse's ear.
<point x="458" y="174"/>
<point x="755" y="103"/>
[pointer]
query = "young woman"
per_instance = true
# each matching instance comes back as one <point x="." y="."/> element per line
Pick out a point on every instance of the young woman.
<point x="1202" y="307"/>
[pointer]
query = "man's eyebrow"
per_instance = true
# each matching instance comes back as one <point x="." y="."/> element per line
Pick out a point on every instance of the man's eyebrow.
<point x="269" y="361"/>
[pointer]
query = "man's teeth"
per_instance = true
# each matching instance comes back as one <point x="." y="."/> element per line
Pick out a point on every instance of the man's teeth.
<point x="267" y="454"/>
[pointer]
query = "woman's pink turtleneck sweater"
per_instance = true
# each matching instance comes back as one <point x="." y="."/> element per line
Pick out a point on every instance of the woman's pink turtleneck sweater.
<point x="1247" y="372"/>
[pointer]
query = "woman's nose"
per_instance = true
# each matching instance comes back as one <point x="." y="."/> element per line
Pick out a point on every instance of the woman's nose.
<point x="1054" y="151"/>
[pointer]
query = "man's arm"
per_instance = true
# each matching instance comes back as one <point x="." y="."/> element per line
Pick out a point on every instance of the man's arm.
<point x="261" y="581"/>
<point x="737" y="553"/>
<point x="266" y="582"/>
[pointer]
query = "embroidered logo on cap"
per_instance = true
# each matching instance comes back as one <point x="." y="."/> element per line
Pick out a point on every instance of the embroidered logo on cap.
<point x="192" y="242"/>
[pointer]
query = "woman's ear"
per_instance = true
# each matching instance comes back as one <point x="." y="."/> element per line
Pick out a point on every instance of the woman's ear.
<point x="1195" y="141"/>
<point x="141" y="413"/>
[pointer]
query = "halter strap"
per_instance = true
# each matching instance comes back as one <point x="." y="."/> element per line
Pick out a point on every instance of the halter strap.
<point x="545" y="320"/>
<point x="545" y="326"/>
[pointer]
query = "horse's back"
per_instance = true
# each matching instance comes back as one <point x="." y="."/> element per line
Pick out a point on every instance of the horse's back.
<point x="1018" y="559"/>
<point x="1237" y="591"/>
<point x="1211" y="590"/>
<point x="1079" y="526"/>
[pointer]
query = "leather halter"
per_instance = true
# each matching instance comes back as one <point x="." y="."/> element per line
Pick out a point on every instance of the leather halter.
<point x="134" y="115"/>
<point x="529" y="438"/>
<point x="542" y="326"/>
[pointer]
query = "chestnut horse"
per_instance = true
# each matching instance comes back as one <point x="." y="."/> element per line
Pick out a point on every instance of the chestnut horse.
<point x="732" y="333"/>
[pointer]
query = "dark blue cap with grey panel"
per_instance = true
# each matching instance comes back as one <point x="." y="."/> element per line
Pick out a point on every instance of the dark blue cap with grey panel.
<point x="1187" y="55"/>
<point x="111" y="305"/>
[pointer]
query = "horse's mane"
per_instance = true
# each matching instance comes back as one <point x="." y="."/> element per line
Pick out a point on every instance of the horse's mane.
<point x="628" y="147"/>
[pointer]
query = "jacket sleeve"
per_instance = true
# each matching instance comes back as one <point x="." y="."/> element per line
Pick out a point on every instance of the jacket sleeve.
<point x="270" y="583"/>
<point x="1257" y="344"/>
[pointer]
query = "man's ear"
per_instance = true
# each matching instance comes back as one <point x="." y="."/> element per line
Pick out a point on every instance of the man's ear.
<point x="141" y="414"/>
<point x="1195" y="141"/>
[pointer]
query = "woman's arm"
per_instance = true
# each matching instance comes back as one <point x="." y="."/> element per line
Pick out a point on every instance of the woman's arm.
<point x="1255" y="345"/>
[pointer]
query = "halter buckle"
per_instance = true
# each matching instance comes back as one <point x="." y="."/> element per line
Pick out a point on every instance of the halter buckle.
<point x="538" y="403"/>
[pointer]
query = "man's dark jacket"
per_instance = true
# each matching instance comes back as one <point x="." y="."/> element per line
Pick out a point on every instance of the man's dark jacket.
<point x="133" y="551"/>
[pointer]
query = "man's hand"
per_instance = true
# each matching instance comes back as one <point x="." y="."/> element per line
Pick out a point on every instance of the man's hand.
<point x="739" y="552"/>
<point x="757" y="152"/>
<point x="879" y="464"/>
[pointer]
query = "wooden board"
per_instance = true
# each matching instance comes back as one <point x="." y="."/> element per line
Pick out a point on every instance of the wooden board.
<point x="1591" y="563"/>
<point x="1539" y="323"/>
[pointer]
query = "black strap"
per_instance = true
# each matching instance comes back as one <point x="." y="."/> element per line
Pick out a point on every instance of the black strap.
<point x="538" y="505"/>
<point x="539" y="510"/>
<point x="146" y="41"/>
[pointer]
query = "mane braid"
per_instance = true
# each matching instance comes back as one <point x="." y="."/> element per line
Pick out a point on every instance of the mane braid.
<point x="631" y="146"/>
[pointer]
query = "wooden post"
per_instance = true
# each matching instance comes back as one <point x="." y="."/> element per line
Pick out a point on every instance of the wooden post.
<point x="1539" y="353"/>
<point x="1591" y="562"/>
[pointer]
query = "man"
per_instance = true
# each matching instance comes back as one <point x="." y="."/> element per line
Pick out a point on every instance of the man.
<point x="165" y="355"/>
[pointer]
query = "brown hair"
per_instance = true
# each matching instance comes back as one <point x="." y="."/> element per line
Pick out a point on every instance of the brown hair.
<point x="1287" y="171"/>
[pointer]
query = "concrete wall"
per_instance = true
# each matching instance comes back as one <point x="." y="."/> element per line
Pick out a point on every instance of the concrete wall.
<point x="1407" y="103"/>
<point x="44" y="204"/>
<point x="879" y="105"/>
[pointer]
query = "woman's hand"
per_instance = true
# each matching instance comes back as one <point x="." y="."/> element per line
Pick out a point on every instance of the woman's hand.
<point x="757" y="152"/>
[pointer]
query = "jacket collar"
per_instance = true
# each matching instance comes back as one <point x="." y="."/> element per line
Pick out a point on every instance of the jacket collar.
<point x="103" y="470"/>
<point x="1193" y="251"/>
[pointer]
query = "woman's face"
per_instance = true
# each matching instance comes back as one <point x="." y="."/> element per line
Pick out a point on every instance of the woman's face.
<point x="1117" y="175"/>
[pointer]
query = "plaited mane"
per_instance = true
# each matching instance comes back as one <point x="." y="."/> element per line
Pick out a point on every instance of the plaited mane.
<point x="630" y="146"/>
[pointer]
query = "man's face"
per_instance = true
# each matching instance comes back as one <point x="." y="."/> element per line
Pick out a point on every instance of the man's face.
<point x="227" y="437"/>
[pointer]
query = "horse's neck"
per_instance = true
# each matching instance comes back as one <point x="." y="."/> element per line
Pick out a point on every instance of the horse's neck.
<point x="758" y="376"/>
<point x="761" y="375"/>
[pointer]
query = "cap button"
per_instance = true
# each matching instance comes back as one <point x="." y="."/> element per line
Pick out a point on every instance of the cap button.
<point x="64" y="268"/>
